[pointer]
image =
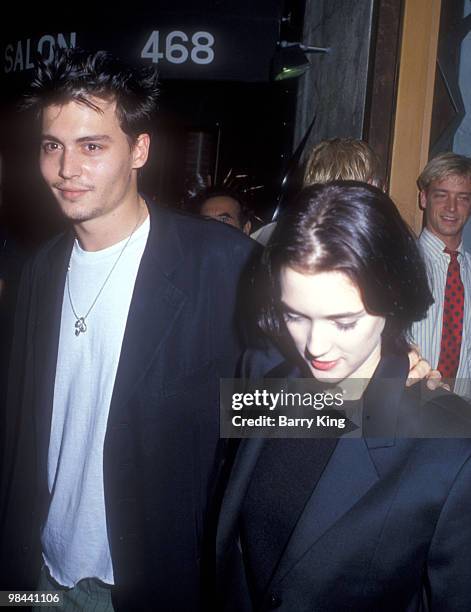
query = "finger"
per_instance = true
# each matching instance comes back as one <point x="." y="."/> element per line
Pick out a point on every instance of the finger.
<point x="420" y="370"/>
<point x="414" y="356"/>
<point x="435" y="381"/>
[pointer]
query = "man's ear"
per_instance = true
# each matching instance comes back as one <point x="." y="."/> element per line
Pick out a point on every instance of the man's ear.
<point x="247" y="228"/>
<point x="140" y="151"/>
<point x="422" y="200"/>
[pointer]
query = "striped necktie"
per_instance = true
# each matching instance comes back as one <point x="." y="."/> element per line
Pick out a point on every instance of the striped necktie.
<point x="453" y="311"/>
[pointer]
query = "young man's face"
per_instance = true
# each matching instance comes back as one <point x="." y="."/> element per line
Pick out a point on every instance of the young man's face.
<point x="448" y="205"/>
<point x="87" y="161"/>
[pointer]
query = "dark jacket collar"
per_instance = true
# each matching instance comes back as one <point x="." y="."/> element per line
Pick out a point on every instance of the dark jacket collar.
<point x="381" y="399"/>
<point x="155" y="305"/>
<point x="164" y="243"/>
<point x="336" y="491"/>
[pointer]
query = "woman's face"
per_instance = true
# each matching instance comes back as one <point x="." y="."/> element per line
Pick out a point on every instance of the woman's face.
<point x="327" y="320"/>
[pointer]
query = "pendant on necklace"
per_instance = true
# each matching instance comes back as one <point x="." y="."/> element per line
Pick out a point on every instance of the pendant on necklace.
<point x="80" y="326"/>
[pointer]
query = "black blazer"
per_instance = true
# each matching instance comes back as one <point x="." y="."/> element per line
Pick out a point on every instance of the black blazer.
<point x="386" y="527"/>
<point x="161" y="443"/>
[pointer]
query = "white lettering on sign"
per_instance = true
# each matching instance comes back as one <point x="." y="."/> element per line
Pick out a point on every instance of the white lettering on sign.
<point x="18" y="55"/>
<point x="178" y="49"/>
<point x="175" y="52"/>
<point x="202" y="53"/>
<point x="151" y="48"/>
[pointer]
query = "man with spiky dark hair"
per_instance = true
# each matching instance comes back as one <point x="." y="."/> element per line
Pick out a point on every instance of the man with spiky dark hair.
<point x="123" y="329"/>
<point x="224" y="205"/>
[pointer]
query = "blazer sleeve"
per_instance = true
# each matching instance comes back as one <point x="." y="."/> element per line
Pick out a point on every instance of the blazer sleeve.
<point x="449" y="559"/>
<point x="16" y="383"/>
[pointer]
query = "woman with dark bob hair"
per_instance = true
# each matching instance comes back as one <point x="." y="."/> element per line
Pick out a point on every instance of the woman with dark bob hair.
<point x="372" y="523"/>
<point x="354" y="229"/>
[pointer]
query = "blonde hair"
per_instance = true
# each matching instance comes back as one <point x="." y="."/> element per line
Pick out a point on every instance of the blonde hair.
<point x="343" y="159"/>
<point x="444" y="165"/>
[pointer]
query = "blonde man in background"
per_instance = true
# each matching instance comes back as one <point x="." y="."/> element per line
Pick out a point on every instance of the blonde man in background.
<point x="338" y="159"/>
<point x="343" y="159"/>
<point x="443" y="336"/>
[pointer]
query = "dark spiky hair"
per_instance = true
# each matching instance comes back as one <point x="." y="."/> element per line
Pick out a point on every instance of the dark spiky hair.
<point x="75" y="74"/>
<point x="222" y="192"/>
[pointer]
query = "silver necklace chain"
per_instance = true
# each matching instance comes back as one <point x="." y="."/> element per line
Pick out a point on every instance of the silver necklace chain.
<point x="80" y="324"/>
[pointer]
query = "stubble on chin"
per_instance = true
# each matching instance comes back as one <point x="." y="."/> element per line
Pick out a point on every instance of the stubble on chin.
<point x="79" y="214"/>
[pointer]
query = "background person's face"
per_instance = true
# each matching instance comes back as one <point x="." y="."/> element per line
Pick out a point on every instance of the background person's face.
<point x="448" y="206"/>
<point x="223" y="208"/>
<point x="86" y="159"/>
<point x="331" y="329"/>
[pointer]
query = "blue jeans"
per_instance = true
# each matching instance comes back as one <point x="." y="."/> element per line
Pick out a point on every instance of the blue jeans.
<point x="88" y="595"/>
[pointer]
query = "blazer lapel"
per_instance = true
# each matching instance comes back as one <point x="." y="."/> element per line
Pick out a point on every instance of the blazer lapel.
<point x="241" y="473"/>
<point x="244" y="464"/>
<point x="382" y="400"/>
<point x="350" y="473"/>
<point x="336" y="492"/>
<point x="155" y="306"/>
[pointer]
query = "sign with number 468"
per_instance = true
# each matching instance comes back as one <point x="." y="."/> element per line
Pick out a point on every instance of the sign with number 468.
<point x="178" y="48"/>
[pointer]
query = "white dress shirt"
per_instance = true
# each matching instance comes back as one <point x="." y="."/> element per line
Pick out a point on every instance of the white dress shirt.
<point x="427" y="334"/>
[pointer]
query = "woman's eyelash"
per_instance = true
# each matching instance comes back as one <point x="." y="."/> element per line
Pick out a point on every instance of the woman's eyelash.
<point x="292" y="317"/>
<point x="346" y="326"/>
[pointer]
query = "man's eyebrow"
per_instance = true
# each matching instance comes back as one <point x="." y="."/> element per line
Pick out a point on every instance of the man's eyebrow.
<point x="439" y="190"/>
<point x="95" y="138"/>
<point x="92" y="138"/>
<point x="49" y="137"/>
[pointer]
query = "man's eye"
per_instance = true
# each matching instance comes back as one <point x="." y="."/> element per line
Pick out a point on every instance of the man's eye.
<point x="50" y="147"/>
<point x="291" y="317"/>
<point x="346" y="326"/>
<point x="91" y="147"/>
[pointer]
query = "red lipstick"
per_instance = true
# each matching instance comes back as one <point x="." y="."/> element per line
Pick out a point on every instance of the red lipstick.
<point x="323" y="365"/>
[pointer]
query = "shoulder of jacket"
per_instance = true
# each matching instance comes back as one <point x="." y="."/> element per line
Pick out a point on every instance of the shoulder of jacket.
<point x="39" y="259"/>
<point x="444" y="413"/>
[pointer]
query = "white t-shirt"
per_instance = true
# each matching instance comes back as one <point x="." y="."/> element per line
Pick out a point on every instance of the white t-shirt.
<point x="74" y="538"/>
